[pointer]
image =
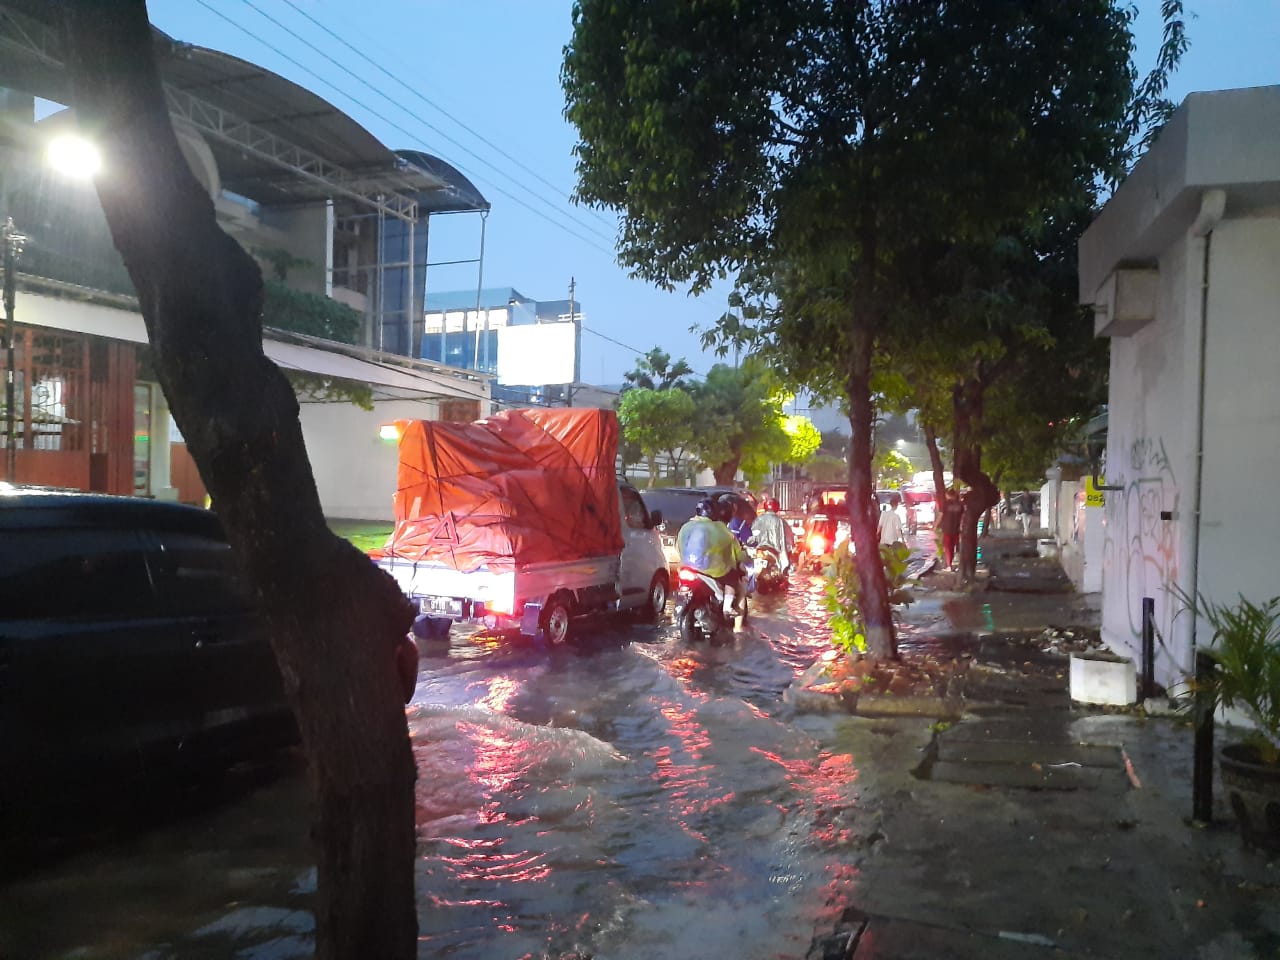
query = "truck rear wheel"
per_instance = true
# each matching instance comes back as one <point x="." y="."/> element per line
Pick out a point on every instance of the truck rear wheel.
<point x="655" y="604"/>
<point x="555" y="621"/>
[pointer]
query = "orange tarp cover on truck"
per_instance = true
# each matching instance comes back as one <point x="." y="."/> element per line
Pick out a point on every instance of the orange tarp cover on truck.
<point x="520" y="487"/>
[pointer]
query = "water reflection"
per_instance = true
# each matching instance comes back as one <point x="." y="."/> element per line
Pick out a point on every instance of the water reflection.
<point x="610" y="798"/>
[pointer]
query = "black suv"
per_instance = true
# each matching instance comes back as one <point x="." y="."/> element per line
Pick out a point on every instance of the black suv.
<point x="127" y="643"/>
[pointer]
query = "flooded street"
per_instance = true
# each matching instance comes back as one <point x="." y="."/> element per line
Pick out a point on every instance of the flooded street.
<point x="626" y="796"/>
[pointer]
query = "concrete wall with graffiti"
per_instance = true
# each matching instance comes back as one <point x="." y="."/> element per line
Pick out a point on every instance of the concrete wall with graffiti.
<point x="1150" y="525"/>
<point x="1149" y="456"/>
<point x="1193" y="442"/>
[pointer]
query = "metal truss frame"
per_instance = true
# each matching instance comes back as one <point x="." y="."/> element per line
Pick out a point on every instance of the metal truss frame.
<point x="229" y="128"/>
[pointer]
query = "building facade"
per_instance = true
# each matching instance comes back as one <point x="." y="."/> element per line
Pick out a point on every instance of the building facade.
<point x="1180" y="269"/>
<point x="302" y="187"/>
<point x="532" y="347"/>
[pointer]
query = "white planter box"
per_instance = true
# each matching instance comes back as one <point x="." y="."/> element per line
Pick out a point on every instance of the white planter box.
<point x="1103" y="678"/>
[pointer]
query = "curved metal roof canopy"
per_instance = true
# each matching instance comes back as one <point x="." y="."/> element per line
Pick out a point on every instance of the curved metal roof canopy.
<point x="274" y="141"/>
<point x="458" y="195"/>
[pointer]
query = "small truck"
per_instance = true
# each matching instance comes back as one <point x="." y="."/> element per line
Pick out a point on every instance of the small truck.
<point x="519" y="521"/>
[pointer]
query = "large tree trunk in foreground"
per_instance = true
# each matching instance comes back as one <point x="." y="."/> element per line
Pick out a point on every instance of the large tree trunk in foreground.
<point x="873" y="597"/>
<point x="967" y="402"/>
<point x="335" y="621"/>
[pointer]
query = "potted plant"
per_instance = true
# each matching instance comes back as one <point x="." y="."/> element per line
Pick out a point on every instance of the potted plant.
<point x="1245" y="653"/>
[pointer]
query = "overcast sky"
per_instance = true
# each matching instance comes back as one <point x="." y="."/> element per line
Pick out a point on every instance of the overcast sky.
<point x="463" y="72"/>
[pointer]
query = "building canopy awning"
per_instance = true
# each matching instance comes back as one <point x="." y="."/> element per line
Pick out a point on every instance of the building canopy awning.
<point x="400" y="377"/>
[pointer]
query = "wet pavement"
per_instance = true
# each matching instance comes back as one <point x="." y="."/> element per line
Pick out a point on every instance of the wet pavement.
<point x="1030" y="826"/>
<point x="631" y="797"/>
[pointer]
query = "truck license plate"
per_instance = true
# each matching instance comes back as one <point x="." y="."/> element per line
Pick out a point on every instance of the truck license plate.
<point x="445" y="606"/>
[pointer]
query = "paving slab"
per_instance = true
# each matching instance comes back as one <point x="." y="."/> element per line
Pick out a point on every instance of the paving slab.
<point x="887" y="938"/>
<point x="1027" y="751"/>
<point x="1039" y="728"/>
<point x="1031" y="776"/>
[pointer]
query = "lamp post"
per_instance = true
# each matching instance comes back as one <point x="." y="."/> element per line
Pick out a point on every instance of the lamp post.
<point x="13" y="242"/>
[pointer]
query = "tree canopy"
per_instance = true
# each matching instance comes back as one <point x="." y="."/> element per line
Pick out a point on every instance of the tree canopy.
<point x="738" y="421"/>
<point x="658" y="422"/>
<point x="656" y="371"/>
<point x="830" y="155"/>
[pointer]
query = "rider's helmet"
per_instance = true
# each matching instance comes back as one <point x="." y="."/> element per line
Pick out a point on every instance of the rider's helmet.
<point x="769" y="505"/>
<point x="723" y="508"/>
<point x="706" y="507"/>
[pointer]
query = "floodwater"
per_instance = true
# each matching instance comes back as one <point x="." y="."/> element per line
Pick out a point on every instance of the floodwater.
<point x="623" y="797"/>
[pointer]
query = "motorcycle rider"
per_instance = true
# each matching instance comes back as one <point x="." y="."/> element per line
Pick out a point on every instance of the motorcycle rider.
<point x="770" y="530"/>
<point x="705" y="544"/>
<point x="740" y="516"/>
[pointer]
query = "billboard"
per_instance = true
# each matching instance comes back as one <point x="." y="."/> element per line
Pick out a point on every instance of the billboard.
<point x="537" y="353"/>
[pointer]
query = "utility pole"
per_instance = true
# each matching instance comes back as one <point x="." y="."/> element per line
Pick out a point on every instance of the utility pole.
<point x="13" y="242"/>
<point x="577" y="347"/>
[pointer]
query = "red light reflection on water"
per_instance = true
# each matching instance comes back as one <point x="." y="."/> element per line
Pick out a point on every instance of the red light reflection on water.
<point x="492" y="766"/>
<point x="681" y="771"/>
<point x="683" y="669"/>
<point x="502" y="691"/>
<point x="492" y="867"/>
<point x="825" y="782"/>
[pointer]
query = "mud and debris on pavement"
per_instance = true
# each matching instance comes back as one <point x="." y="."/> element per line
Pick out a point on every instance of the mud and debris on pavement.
<point x="997" y="818"/>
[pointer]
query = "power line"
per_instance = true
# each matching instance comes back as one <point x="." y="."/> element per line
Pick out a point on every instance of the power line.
<point x="627" y="346"/>
<point x="589" y="242"/>
<point x="430" y="126"/>
<point x="435" y="106"/>
<point x="389" y="121"/>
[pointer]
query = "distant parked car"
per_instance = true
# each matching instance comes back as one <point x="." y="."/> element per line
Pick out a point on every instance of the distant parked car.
<point x="127" y="643"/>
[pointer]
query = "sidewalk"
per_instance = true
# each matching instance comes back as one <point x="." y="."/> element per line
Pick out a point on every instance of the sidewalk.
<point x="1028" y="826"/>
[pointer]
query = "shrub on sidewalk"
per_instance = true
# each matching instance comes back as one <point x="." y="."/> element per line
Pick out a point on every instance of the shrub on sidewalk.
<point x="848" y="632"/>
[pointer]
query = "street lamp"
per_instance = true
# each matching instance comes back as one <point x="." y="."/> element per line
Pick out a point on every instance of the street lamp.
<point x="73" y="156"/>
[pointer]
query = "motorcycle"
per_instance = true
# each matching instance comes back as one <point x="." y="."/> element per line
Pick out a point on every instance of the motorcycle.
<point x="769" y="574"/>
<point x="699" y="607"/>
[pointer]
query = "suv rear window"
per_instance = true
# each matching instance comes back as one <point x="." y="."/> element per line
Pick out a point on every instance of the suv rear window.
<point x="72" y="573"/>
<point x="676" y="507"/>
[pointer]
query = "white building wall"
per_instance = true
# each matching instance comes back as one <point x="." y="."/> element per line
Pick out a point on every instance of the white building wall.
<point x="1079" y="530"/>
<point x="1152" y="400"/>
<point x="355" y="469"/>
<point x="1152" y="435"/>
<point x="1239" y="527"/>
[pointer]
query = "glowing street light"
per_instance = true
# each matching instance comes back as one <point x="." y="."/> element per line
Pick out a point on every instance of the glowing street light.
<point x="74" y="156"/>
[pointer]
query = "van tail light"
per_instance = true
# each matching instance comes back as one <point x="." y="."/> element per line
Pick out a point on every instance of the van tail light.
<point x="688" y="576"/>
<point x="817" y="544"/>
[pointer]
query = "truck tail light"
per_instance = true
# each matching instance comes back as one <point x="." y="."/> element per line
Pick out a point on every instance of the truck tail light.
<point x="502" y="599"/>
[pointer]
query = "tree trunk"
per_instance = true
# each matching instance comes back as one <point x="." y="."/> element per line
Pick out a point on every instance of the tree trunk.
<point x="335" y="621"/>
<point x="726" y="472"/>
<point x="652" y="461"/>
<point x="939" y="470"/>
<point x="873" y="598"/>
<point x="967" y="406"/>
